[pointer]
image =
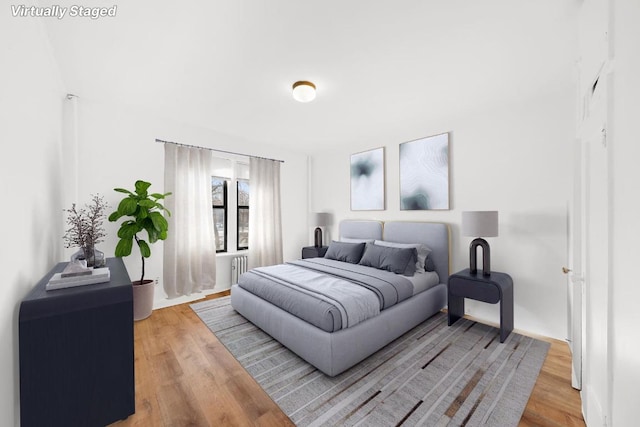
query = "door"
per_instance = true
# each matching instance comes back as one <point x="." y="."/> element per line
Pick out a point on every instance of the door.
<point x="589" y="284"/>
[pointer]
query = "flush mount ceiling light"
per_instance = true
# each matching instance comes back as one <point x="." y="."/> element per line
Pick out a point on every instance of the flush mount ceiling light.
<point x="304" y="91"/>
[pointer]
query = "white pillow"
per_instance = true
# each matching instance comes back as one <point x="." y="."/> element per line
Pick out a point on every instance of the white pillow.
<point x="348" y="240"/>
<point x="423" y="251"/>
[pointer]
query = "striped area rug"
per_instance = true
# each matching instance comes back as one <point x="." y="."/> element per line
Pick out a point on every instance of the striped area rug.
<point x="434" y="375"/>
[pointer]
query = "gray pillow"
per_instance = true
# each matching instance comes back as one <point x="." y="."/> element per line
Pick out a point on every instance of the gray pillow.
<point x="397" y="260"/>
<point x="429" y="264"/>
<point x="423" y="253"/>
<point x="343" y="251"/>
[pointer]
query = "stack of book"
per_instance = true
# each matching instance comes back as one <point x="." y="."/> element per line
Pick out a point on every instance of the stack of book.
<point x="76" y="275"/>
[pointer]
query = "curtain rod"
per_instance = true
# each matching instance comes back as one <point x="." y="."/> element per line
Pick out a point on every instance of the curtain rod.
<point x="219" y="151"/>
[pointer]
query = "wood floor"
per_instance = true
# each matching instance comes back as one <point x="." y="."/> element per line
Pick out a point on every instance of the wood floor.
<point x="186" y="377"/>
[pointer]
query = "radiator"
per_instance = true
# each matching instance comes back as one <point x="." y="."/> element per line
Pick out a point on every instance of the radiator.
<point x="238" y="266"/>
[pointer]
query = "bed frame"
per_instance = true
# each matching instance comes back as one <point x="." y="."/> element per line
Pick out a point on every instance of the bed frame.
<point x="335" y="352"/>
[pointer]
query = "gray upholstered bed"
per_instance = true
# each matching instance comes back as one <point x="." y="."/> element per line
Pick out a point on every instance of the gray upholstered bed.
<point x="329" y="345"/>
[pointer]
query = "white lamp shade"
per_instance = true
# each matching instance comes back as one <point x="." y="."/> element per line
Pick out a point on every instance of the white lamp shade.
<point x="480" y="223"/>
<point x="320" y="219"/>
<point x="304" y="91"/>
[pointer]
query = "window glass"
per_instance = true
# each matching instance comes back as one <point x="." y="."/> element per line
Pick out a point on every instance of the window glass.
<point x="243" y="193"/>
<point x="220" y="228"/>
<point x="219" y="205"/>
<point x="243" y="214"/>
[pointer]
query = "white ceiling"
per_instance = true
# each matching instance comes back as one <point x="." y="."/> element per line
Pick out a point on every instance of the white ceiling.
<point x="378" y="65"/>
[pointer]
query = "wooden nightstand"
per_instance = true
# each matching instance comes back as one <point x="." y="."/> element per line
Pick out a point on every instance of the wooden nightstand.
<point x="314" y="251"/>
<point x="494" y="288"/>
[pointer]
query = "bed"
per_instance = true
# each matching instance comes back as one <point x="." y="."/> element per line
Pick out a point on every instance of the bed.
<point x="333" y="348"/>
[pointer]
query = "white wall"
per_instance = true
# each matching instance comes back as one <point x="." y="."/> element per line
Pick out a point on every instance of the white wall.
<point x="117" y="147"/>
<point x="30" y="183"/>
<point x="511" y="158"/>
<point x="625" y="252"/>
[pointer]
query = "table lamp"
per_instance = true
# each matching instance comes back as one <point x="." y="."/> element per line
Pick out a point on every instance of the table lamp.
<point x="319" y="219"/>
<point x="480" y="224"/>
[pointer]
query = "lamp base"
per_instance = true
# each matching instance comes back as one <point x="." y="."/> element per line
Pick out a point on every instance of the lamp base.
<point x="486" y="256"/>
<point x="317" y="237"/>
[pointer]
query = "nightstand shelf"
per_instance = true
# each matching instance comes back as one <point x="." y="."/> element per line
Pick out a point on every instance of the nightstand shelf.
<point x="314" y="251"/>
<point x="494" y="288"/>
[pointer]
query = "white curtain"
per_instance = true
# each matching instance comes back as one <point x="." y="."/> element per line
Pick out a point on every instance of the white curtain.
<point x="190" y="248"/>
<point x="265" y="224"/>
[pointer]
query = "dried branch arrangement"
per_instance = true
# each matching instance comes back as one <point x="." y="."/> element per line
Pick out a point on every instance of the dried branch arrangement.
<point x="86" y="225"/>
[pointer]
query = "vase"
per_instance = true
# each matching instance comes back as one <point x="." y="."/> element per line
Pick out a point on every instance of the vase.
<point x="143" y="299"/>
<point x="91" y="255"/>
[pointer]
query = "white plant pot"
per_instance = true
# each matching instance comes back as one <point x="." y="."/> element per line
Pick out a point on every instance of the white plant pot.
<point x="143" y="300"/>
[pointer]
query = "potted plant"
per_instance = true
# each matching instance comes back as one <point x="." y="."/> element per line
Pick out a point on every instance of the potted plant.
<point x="143" y="212"/>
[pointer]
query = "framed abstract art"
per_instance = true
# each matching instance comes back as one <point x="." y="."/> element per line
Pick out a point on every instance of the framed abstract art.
<point x="367" y="180"/>
<point x="424" y="173"/>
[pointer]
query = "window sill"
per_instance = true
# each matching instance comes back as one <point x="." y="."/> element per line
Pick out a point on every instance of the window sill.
<point x="232" y="254"/>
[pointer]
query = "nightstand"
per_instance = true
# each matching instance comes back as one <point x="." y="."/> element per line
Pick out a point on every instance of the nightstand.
<point x="494" y="288"/>
<point x="314" y="251"/>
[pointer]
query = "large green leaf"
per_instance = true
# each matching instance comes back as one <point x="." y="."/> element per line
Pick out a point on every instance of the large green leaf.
<point x="151" y="230"/>
<point x="141" y="187"/>
<point x="114" y="216"/>
<point x="128" y="230"/>
<point x="159" y="196"/>
<point x="159" y="222"/>
<point x="122" y="190"/>
<point x="123" y="248"/>
<point x="145" y="250"/>
<point x="127" y="206"/>
<point x="147" y="203"/>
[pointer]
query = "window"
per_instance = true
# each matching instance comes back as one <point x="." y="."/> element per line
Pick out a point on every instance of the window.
<point x="230" y="208"/>
<point x="220" y="202"/>
<point x="243" y="214"/>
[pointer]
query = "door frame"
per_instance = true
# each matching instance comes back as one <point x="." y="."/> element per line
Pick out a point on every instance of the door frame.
<point x="582" y="282"/>
<point x="575" y="272"/>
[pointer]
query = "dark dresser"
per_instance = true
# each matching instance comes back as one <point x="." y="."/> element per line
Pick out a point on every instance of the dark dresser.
<point x="76" y="352"/>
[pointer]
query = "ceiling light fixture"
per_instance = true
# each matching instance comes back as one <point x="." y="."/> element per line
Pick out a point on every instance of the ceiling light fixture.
<point x="304" y="91"/>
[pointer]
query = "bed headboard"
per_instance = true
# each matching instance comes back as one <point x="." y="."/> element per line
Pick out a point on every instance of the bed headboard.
<point x="361" y="229"/>
<point x="433" y="234"/>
